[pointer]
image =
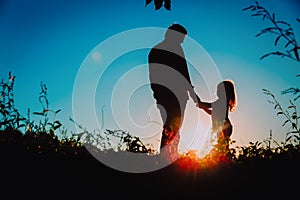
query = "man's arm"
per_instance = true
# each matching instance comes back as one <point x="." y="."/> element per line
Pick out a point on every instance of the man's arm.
<point x="190" y="87"/>
<point x="193" y="95"/>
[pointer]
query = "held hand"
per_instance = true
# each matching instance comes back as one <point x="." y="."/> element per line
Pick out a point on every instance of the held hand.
<point x="205" y="106"/>
<point x="199" y="105"/>
<point x="197" y="101"/>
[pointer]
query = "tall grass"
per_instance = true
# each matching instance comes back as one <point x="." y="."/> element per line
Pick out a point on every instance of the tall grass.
<point x="41" y="137"/>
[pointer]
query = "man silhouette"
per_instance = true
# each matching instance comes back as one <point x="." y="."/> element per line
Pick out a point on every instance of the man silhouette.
<point x="171" y="84"/>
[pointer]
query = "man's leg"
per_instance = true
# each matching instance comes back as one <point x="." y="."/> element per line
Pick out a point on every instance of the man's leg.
<point x="172" y="114"/>
<point x="171" y="130"/>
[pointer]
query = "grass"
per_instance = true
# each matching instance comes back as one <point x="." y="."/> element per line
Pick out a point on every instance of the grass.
<point x="40" y="163"/>
<point x="35" y="162"/>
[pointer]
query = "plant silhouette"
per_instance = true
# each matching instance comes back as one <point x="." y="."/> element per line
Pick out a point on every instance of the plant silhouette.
<point x="10" y="116"/>
<point x="159" y="3"/>
<point x="281" y="29"/>
<point x="291" y="117"/>
<point x="45" y="122"/>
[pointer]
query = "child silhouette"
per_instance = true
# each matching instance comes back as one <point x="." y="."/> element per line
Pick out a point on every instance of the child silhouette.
<point x="219" y="110"/>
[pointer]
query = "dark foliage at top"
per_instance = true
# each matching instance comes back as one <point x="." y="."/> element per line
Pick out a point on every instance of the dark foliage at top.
<point x="159" y="3"/>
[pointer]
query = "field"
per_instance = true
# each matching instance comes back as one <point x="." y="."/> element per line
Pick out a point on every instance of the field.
<point x="35" y="162"/>
<point x="39" y="165"/>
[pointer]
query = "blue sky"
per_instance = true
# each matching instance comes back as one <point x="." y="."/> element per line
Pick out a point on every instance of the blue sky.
<point x="51" y="40"/>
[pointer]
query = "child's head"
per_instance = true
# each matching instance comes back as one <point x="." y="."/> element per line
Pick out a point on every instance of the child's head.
<point x="226" y="89"/>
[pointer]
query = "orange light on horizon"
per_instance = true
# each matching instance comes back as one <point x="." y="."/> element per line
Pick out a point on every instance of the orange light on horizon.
<point x="191" y="161"/>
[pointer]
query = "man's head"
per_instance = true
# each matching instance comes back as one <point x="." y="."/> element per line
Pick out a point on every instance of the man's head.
<point x="176" y="32"/>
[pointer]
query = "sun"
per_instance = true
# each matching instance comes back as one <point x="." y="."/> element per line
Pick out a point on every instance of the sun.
<point x="195" y="133"/>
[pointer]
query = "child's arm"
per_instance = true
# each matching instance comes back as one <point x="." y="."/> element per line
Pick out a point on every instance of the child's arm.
<point x="205" y="106"/>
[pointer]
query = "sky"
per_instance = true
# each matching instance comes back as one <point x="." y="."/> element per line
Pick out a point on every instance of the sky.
<point x="92" y="55"/>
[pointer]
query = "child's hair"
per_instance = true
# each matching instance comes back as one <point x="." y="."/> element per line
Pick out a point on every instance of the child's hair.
<point x="228" y="86"/>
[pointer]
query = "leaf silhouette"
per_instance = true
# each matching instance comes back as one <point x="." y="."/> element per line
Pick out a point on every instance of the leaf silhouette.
<point x="273" y="53"/>
<point x="296" y="53"/>
<point x="167" y="4"/>
<point x="277" y="39"/>
<point x="148" y="1"/>
<point x="158" y="4"/>
<point x="249" y="7"/>
<point x="38" y="113"/>
<point x="279" y="113"/>
<point x="288" y="43"/>
<point x="285" y="122"/>
<point x="283" y="22"/>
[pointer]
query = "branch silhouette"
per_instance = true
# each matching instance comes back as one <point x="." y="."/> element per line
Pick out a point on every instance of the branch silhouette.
<point x="281" y="29"/>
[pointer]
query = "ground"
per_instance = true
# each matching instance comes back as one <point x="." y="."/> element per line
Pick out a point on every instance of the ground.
<point x="82" y="176"/>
